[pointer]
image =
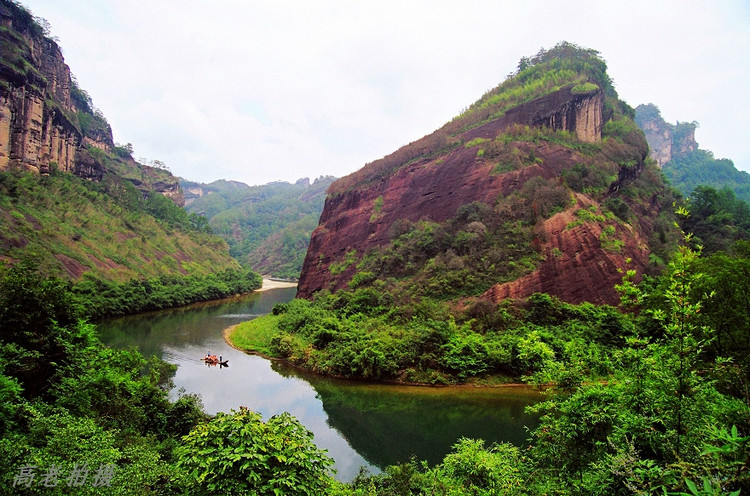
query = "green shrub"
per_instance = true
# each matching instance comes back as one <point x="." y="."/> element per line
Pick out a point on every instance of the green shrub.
<point x="238" y="453"/>
<point x="584" y="88"/>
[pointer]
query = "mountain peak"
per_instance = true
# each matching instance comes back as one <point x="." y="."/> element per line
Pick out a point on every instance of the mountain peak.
<point x="535" y="186"/>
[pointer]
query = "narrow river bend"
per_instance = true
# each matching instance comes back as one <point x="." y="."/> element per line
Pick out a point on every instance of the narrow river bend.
<point x="360" y="424"/>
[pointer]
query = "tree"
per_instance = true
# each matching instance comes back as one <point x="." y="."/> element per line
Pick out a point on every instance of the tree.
<point x="237" y="453"/>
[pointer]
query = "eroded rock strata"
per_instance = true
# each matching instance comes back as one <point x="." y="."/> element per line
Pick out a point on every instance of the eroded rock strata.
<point x="574" y="265"/>
<point x="41" y="125"/>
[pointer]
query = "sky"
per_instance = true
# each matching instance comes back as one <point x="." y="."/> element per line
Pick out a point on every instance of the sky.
<point x="261" y="91"/>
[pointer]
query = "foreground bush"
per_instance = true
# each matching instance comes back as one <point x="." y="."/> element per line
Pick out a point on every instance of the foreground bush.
<point x="238" y="453"/>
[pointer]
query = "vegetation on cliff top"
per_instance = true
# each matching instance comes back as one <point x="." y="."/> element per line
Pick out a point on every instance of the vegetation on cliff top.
<point x="550" y="70"/>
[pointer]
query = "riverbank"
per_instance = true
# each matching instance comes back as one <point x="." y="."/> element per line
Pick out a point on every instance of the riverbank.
<point x="257" y="342"/>
<point x="268" y="285"/>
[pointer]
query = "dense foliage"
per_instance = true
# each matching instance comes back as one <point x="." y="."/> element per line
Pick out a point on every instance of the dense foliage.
<point x="717" y="219"/>
<point x="267" y="227"/>
<point x="238" y="453"/>
<point x="700" y="168"/>
<point x="642" y="403"/>
<point x="101" y="298"/>
<point x="366" y="334"/>
<point x="68" y="400"/>
<point x="109" y="230"/>
<point x="82" y="418"/>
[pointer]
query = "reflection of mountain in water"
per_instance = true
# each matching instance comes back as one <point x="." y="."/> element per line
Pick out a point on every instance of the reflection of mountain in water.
<point x="391" y="424"/>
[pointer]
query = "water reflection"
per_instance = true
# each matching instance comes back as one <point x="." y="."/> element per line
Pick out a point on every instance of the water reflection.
<point x="390" y="424"/>
<point x="359" y="424"/>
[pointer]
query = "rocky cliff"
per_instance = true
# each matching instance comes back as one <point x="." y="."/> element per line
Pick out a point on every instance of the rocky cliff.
<point x="45" y="119"/>
<point x="666" y="141"/>
<point x="684" y="164"/>
<point x="532" y="164"/>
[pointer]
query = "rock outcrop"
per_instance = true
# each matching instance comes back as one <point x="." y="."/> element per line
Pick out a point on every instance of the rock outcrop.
<point x="433" y="178"/>
<point x="45" y="121"/>
<point x="575" y="267"/>
<point x="665" y="140"/>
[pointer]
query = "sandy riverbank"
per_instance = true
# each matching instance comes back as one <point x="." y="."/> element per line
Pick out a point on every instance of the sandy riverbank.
<point x="269" y="284"/>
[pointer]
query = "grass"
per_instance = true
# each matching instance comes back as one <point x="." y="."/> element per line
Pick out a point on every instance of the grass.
<point x="89" y="227"/>
<point x="255" y="335"/>
<point x="584" y="88"/>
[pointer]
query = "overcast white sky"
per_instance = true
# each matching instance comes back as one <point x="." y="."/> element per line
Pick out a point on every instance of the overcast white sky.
<point x="258" y="91"/>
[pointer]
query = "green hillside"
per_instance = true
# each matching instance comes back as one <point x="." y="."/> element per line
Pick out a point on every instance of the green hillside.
<point x="701" y="168"/>
<point x="267" y="227"/>
<point x="110" y="241"/>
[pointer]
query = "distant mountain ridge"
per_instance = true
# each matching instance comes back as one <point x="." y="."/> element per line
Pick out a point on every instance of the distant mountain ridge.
<point x="267" y="227"/>
<point x="686" y="165"/>
<point x="193" y="190"/>
<point x="541" y="185"/>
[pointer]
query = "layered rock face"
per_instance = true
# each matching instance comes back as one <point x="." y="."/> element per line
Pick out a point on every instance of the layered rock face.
<point x="33" y="135"/>
<point x="36" y="109"/>
<point x="665" y="140"/>
<point x="575" y="267"/>
<point x="435" y="188"/>
<point x="39" y="119"/>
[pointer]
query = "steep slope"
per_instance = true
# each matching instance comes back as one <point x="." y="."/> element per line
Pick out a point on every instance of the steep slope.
<point x="267" y="227"/>
<point x="542" y="185"/>
<point x="47" y="121"/>
<point x="686" y="165"/>
<point x="80" y="229"/>
<point x="72" y="200"/>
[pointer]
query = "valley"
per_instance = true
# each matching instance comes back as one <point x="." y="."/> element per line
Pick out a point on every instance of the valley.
<point x="545" y="295"/>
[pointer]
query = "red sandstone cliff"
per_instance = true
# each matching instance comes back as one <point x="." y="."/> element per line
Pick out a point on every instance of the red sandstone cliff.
<point x="574" y="263"/>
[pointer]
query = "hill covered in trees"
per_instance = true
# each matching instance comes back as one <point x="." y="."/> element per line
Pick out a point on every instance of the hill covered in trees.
<point x="267" y="227"/>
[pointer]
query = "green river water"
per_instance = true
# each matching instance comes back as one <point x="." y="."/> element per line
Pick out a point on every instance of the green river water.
<point x="360" y="424"/>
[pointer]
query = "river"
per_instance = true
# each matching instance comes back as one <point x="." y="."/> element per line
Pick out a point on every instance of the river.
<point x="360" y="424"/>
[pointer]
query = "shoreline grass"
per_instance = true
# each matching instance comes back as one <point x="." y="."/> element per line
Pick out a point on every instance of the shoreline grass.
<point x="254" y="336"/>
